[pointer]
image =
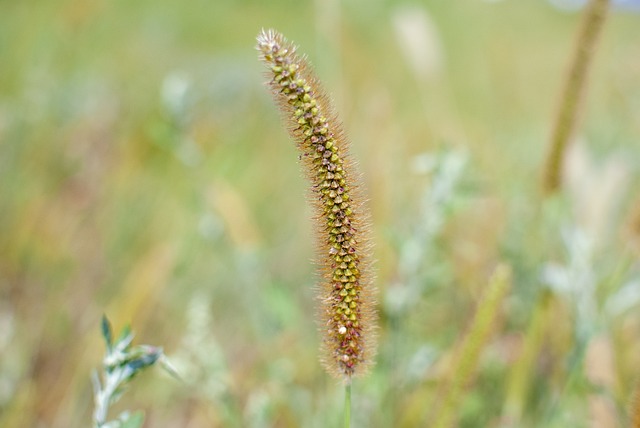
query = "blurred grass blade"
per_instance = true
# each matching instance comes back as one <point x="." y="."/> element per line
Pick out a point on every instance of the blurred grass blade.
<point x="106" y="332"/>
<point x="472" y="345"/>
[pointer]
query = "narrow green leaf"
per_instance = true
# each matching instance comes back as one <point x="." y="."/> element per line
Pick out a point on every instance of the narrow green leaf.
<point x="106" y="332"/>
<point x="143" y="361"/>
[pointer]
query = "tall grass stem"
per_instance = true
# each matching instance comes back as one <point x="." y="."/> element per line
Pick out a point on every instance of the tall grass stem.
<point x="572" y="94"/>
<point x="470" y="349"/>
<point x="520" y="376"/>
<point x="347" y="405"/>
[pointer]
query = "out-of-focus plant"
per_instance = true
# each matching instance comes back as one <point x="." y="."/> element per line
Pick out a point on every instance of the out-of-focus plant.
<point x="201" y="361"/>
<point x="122" y="362"/>
<point x="573" y="93"/>
<point x="446" y="171"/>
<point x="474" y="342"/>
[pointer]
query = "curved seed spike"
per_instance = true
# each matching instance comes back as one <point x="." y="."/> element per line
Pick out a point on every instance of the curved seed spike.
<point x="346" y="295"/>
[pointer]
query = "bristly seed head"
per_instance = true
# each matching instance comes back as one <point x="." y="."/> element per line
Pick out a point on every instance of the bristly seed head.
<point x="347" y="296"/>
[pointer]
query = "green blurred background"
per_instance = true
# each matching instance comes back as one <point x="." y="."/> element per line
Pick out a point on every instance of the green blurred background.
<point x="145" y="174"/>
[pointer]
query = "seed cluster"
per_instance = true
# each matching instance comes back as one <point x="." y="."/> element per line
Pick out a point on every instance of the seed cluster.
<point x="347" y="314"/>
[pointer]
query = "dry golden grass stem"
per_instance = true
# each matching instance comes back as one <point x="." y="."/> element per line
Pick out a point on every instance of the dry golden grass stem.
<point x="573" y="93"/>
<point x="346" y="293"/>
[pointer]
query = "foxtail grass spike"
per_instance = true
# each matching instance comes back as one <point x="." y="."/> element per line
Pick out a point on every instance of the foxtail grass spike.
<point x="571" y="98"/>
<point x="346" y="293"/>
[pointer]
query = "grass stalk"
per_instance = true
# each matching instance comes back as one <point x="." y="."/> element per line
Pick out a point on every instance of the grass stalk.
<point x="347" y="405"/>
<point x="521" y="374"/>
<point x="571" y="97"/>
<point x="472" y="346"/>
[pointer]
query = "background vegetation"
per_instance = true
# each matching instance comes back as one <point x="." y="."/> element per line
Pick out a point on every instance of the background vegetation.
<point x="144" y="174"/>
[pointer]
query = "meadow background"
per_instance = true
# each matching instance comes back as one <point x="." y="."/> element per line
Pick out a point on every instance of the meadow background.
<point x="145" y="174"/>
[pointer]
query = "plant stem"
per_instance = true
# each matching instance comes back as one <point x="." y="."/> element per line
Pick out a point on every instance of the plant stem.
<point x="347" y="405"/>
<point x="521" y="373"/>
<point x="471" y="347"/>
<point x="572" y="94"/>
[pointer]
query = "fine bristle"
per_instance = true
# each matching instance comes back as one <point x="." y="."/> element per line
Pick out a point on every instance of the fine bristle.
<point x="347" y="315"/>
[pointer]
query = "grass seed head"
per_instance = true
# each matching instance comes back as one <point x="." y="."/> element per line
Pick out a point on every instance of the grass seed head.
<point x="346" y="294"/>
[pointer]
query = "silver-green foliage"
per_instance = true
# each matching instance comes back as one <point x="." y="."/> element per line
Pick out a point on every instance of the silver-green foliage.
<point x="122" y="362"/>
